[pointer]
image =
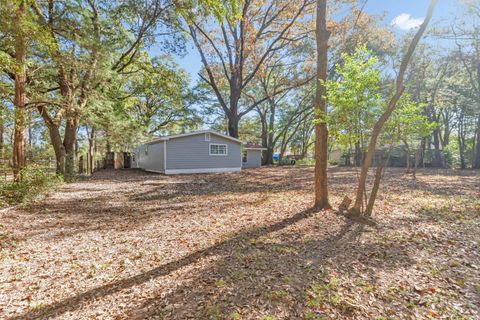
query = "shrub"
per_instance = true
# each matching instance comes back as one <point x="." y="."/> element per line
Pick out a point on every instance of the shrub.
<point x="35" y="182"/>
<point x="306" y="162"/>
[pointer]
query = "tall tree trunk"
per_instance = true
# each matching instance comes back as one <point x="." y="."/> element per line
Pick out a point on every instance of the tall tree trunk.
<point x="233" y="126"/>
<point x="376" y="186"/>
<point x="418" y="157"/>
<point x="437" y="153"/>
<point x="461" y="150"/>
<point x="18" y="157"/>
<point x="58" y="148"/>
<point x="91" y="152"/>
<point x="69" y="142"/>
<point x="461" y="138"/>
<point x="1" y="133"/>
<point x="476" y="163"/>
<point x="377" y="129"/>
<point x="30" y="136"/>
<point x="407" y="156"/>
<point x="263" y="122"/>
<point x="270" y="138"/>
<point x="55" y="140"/>
<point x="321" y="131"/>
<point x="358" y="154"/>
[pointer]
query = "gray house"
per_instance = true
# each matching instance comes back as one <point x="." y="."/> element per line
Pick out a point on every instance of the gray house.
<point x="195" y="152"/>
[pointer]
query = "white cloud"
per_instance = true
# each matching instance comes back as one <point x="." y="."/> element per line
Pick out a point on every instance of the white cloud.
<point x="406" y="22"/>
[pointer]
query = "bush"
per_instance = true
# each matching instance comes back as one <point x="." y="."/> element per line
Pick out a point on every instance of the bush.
<point x="36" y="181"/>
<point x="306" y="162"/>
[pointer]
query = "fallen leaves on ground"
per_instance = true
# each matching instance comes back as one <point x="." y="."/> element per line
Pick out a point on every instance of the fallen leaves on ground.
<point x="133" y="245"/>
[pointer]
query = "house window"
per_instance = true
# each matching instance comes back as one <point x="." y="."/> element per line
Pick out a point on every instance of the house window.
<point x="207" y="136"/>
<point x="218" y="149"/>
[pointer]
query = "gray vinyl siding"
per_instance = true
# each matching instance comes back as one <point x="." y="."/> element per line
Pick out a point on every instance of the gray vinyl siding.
<point x="192" y="152"/>
<point x="153" y="159"/>
<point x="254" y="159"/>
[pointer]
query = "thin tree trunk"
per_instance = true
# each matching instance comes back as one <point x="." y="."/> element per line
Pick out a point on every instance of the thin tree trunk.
<point x="263" y="122"/>
<point x="407" y="155"/>
<point x="30" y="136"/>
<point x="270" y="131"/>
<point x="1" y="133"/>
<point x="91" y="152"/>
<point x="477" y="146"/>
<point x="399" y="89"/>
<point x="358" y="154"/>
<point x="18" y="157"/>
<point x="418" y="157"/>
<point x="373" y="194"/>
<point x="461" y="139"/>
<point x="461" y="150"/>
<point x="321" y="130"/>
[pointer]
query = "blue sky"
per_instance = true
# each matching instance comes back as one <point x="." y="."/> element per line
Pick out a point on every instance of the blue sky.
<point x="404" y="14"/>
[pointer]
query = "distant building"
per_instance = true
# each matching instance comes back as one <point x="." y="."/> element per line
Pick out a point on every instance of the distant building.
<point x="196" y="152"/>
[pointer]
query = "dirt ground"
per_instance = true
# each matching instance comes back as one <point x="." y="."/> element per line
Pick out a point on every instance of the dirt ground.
<point x="134" y="245"/>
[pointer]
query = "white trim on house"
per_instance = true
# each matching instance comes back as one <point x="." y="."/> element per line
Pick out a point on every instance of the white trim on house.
<point x="204" y="170"/>
<point x="160" y="139"/>
<point x="217" y="154"/>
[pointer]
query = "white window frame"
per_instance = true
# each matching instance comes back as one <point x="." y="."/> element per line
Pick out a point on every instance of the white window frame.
<point x="207" y="136"/>
<point x="217" y="144"/>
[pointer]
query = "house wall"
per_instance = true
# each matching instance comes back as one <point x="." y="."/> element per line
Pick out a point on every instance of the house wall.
<point x="135" y="157"/>
<point x="152" y="160"/>
<point x="192" y="154"/>
<point x="254" y="159"/>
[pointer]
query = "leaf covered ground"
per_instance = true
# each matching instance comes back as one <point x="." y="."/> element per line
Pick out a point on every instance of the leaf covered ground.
<point x="133" y="245"/>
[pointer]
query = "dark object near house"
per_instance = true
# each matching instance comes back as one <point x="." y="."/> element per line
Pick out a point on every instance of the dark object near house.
<point x="118" y="160"/>
<point x="109" y="160"/>
<point x="127" y="160"/>
<point x="288" y="160"/>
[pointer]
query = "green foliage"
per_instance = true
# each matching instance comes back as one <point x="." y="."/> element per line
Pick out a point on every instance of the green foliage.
<point x="408" y="122"/>
<point x="220" y="9"/>
<point x="36" y="180"/>
<point x="305" y="162"/>
<point x="355" y="97"/>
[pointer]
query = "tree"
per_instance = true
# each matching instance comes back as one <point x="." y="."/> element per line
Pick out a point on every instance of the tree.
<point x="19" y="156"/>
<point x="81" y="65"/>
<point x="467" y="39"/>
<point x="398" y="91"/>
<point x="238" y="46"/>
<point x="278" y="83"/>
<point x="409" y="125"/>
<point x="160" y="97"/>
<point x="355" y="99"/>
<point x="321" y="131"/>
